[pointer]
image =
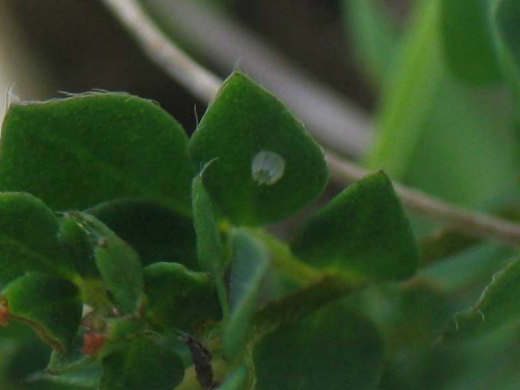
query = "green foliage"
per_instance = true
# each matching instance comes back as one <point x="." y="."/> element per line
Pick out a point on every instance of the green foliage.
<point x="179" y="298"/>
<point x="156" y="232"/>
<point x="249" y="266"/>
<point x="95" y="147"/>
<point x="50" y="305"/>
<point x="497" y="307"/>
<point x="142" y="364"/>
<point x="468" y="41"/>
<point x="32" y="245"/>
<point x="505" y="22"/>
<point x="362" y="232"/>
<point x="142" y="258"/>
<point x="240" y="127"/>
<point x="338" y="349"/>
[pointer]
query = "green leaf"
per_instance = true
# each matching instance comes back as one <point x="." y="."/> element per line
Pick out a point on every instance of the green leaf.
<point x="362" y="232"/>
<point x="468" y="40"/>
<point x="72" y="368"/>
<point x="70" y="360"/>
<point x="236" y="381"/>
<point x="50" y="305"/>
<point x="373" y="34"/>
<point x="77" y="152"/>
<point x="179" y="298"/>
<point x="250" y="261"/>
<point x="438" y="135"/>
<point x="28" y="230"/>
<point x="156" y="232"/>
<point x="209" y="245"/>
<point x="77" y="246"/>
<point x="85" y="377"/>
<point x="266" y="166"/>
<point x="143" y="365"/>
<point x="506" y="28"/>
<point x="330" y="349"/>
<point x="409" y="89"/>
<point x="498" y="307"/>
<point x="117" y="262"/>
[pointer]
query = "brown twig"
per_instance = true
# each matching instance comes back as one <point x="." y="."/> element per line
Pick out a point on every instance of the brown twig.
<point x="205" y="85"/>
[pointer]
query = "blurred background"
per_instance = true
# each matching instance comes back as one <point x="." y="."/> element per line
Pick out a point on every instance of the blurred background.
<point x="75" y="46"/>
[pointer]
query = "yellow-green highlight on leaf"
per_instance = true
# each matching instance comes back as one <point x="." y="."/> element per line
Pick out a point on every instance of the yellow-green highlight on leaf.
<point x="363" y="232"/>
<point x="240" y="133"/>
<point x="76" y="152"/>
<point x="50" y="305"/>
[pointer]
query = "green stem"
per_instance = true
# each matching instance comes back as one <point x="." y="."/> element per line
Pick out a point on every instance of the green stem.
<point x="222" y="296"/>
<point x="287" y="263"/>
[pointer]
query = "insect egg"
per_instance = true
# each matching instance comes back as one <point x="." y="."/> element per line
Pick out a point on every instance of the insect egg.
<point x="267" y="167"/>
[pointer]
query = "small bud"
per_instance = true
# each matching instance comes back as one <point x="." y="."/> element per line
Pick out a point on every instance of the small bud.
<point x="93" y="343"/>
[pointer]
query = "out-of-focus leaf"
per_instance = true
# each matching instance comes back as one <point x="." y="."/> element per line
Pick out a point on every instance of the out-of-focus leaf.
<point x="154" y="231"/>
<point x="77" y="152"/>
<point x="28" y="238"/>
<point x="333" y="348"/>
<point x="362" y="232"/>
<point x="468" y="40"/>
<point x="265" y="164"/>
<point x="179" y="298"/>
<point x="236" y="381"/>
<point x="408" y="92"/>
<point x="248" y="267"/>
<point x="142" y="365"/>
<point x="50" y="305"/>
<point x="505" y="24"/>
<point x="437" y="135"/>
<point x="373" y="34"/>
<point x="498" y="307"/>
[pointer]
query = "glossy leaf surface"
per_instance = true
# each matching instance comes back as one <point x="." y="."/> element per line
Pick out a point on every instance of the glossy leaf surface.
<point x="76" y="152"/>
<point x="50" y="305"/>
<point x="179" y="298"/>
<point x="363" y="232"/>
<point x="250" y="188"/>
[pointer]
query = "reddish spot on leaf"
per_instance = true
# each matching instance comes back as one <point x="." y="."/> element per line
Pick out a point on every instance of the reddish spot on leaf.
<point x="93" y="343"/>
<point x="4" y="312"/>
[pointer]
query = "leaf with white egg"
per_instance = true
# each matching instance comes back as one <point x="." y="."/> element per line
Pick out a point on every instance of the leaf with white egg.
<point x="265" y="164"/>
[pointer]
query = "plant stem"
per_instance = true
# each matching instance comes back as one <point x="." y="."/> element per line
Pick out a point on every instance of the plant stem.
<point x="205" y="85"/>
<point x="288" y="264"/>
